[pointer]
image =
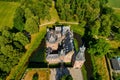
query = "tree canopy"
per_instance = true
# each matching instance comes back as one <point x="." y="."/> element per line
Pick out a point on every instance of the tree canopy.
<point x="98" y="47"/>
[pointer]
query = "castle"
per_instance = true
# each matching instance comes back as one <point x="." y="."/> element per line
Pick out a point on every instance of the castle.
<point x="60" y="47"/>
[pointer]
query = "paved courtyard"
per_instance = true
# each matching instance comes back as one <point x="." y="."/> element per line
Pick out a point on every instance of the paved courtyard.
<point x="55" y="73"/>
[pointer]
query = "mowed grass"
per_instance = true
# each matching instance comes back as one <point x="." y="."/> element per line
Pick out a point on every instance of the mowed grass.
<point x="7" y="10"/>
<point x="117" y="12"/>
<point x="114" y="3"/>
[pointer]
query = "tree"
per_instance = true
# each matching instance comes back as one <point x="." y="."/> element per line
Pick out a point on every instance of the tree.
<point x="66" y="77"/>
<point x="35" y="76"/>
<point x="31" y="25"/>
<point x="97" y="76"/>
<point x="98" y="47"/>
<point x="20" y="37"/>
<point x="3" y="41"/>
<point x="28" y="13"/>
<point x="105" y="28"/>
<point x="94" y="28"/>
<point x="19" y="19"/>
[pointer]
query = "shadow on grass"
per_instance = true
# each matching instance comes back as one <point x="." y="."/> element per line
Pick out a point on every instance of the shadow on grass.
<point x="38" y="59"/>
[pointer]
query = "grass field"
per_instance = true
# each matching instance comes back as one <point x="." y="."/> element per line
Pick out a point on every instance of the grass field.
<point x="114" y="3"/>
<point x="43" y="74"/>
<point x="7" y="10"/>
<point x="84" y="72"/>
<point x="77" y="29"/>
<point x="117" y="12"/>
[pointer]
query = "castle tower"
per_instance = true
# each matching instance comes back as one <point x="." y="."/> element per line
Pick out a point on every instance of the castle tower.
<point x="79" y="58"/>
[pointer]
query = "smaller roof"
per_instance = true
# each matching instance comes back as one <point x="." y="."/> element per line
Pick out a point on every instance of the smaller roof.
<point x="115" y="63"/>
<point x="58" y="29"/>
<point x="81" y="54"/>
<point x="51" y="36"/>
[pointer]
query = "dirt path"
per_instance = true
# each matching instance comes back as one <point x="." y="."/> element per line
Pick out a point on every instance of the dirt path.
<point x="59" y="22"/>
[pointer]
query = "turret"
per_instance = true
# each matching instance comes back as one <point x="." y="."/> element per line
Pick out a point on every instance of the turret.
<point x="79" y="58"/>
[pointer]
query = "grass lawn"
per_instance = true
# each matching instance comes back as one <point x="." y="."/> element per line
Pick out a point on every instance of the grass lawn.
<point x="117" y="12"/>
<point x="76" y="44"/>
<point x="7" y="10"/>
<point x="114" y="3"/>
<point x="84" y="72"/>
<point x="77" y="29"/>
<point x="43" y="74"/>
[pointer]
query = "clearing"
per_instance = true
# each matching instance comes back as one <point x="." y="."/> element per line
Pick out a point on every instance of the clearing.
<point x="7" y="10"/>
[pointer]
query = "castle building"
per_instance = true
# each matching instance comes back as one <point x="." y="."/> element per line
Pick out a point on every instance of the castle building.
<point x="60" y="46"/>
<point x="79" y="58"/>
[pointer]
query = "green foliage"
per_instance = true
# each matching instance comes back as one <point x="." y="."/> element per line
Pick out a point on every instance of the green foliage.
<point x="94" y="28"/>
<point x="117" y="36"/>
<point x="21" y="38"/>
<point x="18" y="45"/>
<point x="19" y="19"/>
<point x="9" y="54"/>
<point x="97" y="76"/>
<point x="38" y="8"/>
<point x="3" y="41"/>
<point x="84" y="72"/>
<point x="116" y="28"/>
<point x="114" y="53"/>
<point x="31" y="25"/>
<point x="28" y="13"/>
<point x="78" y="9"/>
<point x="98" y="47"/>
<point x="17" y="70"/>
<point x="116" y="20"/>
<point x="116" y="76"/>
<point x="66" y="77"/>
<point x="35" y="76"/>
<point x="105" y="25"/>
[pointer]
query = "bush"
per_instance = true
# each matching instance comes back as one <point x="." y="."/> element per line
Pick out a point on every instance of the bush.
<point x="35" y="76"/>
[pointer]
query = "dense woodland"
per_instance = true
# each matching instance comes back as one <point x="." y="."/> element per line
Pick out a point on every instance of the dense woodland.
<point x="11" y="49"/>
<point x="95" y="16"/>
